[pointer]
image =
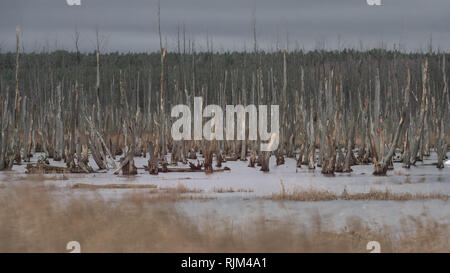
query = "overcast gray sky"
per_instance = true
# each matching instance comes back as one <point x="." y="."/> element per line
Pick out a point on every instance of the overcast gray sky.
<point x="131" y="25"/>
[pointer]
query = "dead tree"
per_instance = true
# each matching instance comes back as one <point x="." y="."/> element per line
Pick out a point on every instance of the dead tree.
<point x="416" y="139"/>
<point x="244" y="141"/>
<point x="265" y="159"/>
<point x="4" y="135"/>
<point x="16" y="138"/>
<point x="162" y="95"/>
<point x="209" y="157"/>
<point x="152" y="161"/>
<point x="378" y="133"/>
<point x="283" y="134"/>
<point x="329" y="123"/>
<point x="441" y="145"/>
<point x="312" y="139"/>
<point x="59" y="137"/>
<point x="348" y="161"/>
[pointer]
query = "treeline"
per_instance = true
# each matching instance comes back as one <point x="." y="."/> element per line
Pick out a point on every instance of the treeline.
<point x="355" y="107"/>
<point x="209" y="68"/>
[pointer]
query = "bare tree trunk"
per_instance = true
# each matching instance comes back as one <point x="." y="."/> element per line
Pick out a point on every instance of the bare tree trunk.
<point x="349" y="154"/>
<point x="4" y="122"/>
<point x="441" y="145"/>
<point x="162" y="95"/>
<point x="152" y="161"/>
<point x="59" y="141"/>
<point x="283" y="136"/>
<point x="244" y="142"/>
<point x="406" y="151"/>
<point x="16" y="138"/>
<point x="382" y="160"/>
<point x="423" y="109"/>
<point x="312" y="139"/>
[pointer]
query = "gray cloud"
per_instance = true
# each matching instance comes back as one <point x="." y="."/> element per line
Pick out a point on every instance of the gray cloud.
<point x="131" y="25"/>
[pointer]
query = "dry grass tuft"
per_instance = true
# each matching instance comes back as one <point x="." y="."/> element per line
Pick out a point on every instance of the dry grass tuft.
<point x="180" y="188"/>
<point x="244" y="190"/>
<point x="388" y="195"/>
<point x="230" y="190"/>
<point x="174" y="194"/>
<point x="311" y="194"/>
<point x="224" y="190"/>
<point x="299" y="194"/>
<point x="113" y="186"/>
<point x="39" y="177"/>
<point x="156" y="196"/>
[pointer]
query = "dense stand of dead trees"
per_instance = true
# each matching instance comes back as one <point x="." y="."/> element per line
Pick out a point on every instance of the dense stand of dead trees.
<point x="337" y="109"/>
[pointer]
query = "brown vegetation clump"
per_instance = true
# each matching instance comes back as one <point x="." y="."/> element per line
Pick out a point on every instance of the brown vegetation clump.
<point x="298" y="194"/>
<point x="224" y="190"/>
<point x="180" y="188"/>
<point x="387" y="194"/>
<point x="164" y="196"/>
<point x="38" y="177"/>
<point x="311" y="194"/>
<point x="113" y="186"/>
<point x="244" y="190"/>
<point x="230" y="190"/>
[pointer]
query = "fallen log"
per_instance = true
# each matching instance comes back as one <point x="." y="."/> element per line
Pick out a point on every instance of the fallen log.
<point x="44" y="168"/>
<point x="187" y="170"/>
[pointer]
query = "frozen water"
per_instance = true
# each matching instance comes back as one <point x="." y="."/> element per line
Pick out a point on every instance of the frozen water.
<point x="250" y="186"/>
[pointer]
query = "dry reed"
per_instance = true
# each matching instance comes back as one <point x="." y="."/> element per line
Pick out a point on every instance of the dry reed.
<point x="34" y="220"/>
